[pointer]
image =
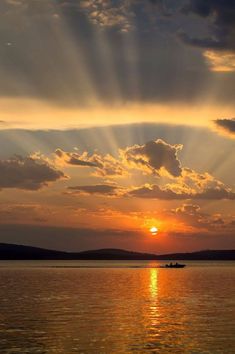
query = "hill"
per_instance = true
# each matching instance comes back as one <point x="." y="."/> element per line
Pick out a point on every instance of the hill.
<point x="12" y="251"/>
<point x="206" y="255"/>
<point x="20" y="252"/>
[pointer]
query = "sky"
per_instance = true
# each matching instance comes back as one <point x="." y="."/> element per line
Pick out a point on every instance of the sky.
<point x="116" y="117"/>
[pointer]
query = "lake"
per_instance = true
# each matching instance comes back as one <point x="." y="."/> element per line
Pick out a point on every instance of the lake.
<point x="116" y="307"/>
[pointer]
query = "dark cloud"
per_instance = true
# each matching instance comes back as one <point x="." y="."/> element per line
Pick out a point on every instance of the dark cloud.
<point x="102" y="51"/>
<point x="227" y="124"/>
<point x="75" y="161"/>
<point x="215" y="194"/>
<point x="100" y="189"/>
<point x="220" y="13"/>
<point x="30" y="173"/>
<point x="155" y="155"/>
<point x="86" y="53"/>
<point x="156" y="192"/>
<point x="73" y="158"/>
<point x="206" y="42"/>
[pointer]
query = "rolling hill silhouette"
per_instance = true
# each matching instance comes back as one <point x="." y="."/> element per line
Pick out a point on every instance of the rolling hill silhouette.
<point x="22" y="252"/>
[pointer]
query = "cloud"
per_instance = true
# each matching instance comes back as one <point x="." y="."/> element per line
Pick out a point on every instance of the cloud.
<point x="154" y="156"/>
<point x="166" y="193"/>
<point x="104" y="165"/>
<point x="157" y="158"/>
<point x="73" y="158"/>
<point x="218" y="18"/>
<point x="105" y="64"/>
<point x="109" y="13"/>
<point x="89" y="56"/>
<point x="220" y="62"/>
<point x="189" y="185"/>
<point x="191" y="214"/>
<point x="206" y="42"/>
<point x="215" y="194"/>
<point x="190" y="209"/>
<point x="22" y="212"/>
<point x="123" y="15"/>
<point x="198" y="184"/>
<point x="108" y="166"/>
<point x="221" y="18"/>
<point x="30" y="173"/>
<point x="155" y="192"/>
<point x="227" y="125"/>
<point x="99" y="189"/>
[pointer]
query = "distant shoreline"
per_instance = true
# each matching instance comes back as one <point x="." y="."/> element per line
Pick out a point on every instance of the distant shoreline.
<point x="22" y="252"/>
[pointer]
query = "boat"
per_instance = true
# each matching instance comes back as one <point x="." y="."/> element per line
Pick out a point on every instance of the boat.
<point x="176" y="265"/>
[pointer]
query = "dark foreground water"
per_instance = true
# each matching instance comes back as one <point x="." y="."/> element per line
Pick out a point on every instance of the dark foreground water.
<point x="116" y="307"/>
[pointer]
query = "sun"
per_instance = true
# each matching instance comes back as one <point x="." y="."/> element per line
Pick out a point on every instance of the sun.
<point x="153" y="230"/>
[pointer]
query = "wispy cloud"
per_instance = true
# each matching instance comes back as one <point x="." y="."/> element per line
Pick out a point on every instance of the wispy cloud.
<point x="96" y="189"/>
<point x="103" y="165"/>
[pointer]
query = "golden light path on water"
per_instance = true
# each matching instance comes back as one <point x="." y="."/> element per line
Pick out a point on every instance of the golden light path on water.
<point x="153" y="282"/>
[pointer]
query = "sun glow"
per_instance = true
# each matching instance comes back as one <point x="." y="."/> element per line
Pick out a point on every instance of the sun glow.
<point x="153" y="230"/>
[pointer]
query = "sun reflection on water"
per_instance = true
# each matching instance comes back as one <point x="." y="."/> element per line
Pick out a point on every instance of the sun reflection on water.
<point x="153" y="283"/>
<point x="153" y="308"/>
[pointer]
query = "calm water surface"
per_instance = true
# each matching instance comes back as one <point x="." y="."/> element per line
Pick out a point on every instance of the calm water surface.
<point x="116" y="307"/>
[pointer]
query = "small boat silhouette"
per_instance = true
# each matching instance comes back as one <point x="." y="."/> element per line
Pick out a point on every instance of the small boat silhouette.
<point x="176" y="265"/>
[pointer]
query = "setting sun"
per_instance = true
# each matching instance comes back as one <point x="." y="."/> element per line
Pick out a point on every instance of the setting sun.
<point x="153" y="230"/>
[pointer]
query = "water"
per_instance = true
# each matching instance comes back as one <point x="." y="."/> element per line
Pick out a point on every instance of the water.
<point x="116" y="307"/>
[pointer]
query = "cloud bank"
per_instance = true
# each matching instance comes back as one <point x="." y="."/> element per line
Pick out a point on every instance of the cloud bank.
<point x="158" y="161"/>
<point x="29" y="173"/>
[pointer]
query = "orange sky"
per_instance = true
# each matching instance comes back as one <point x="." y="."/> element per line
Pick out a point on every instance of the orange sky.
<point x="112" y="121"/>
